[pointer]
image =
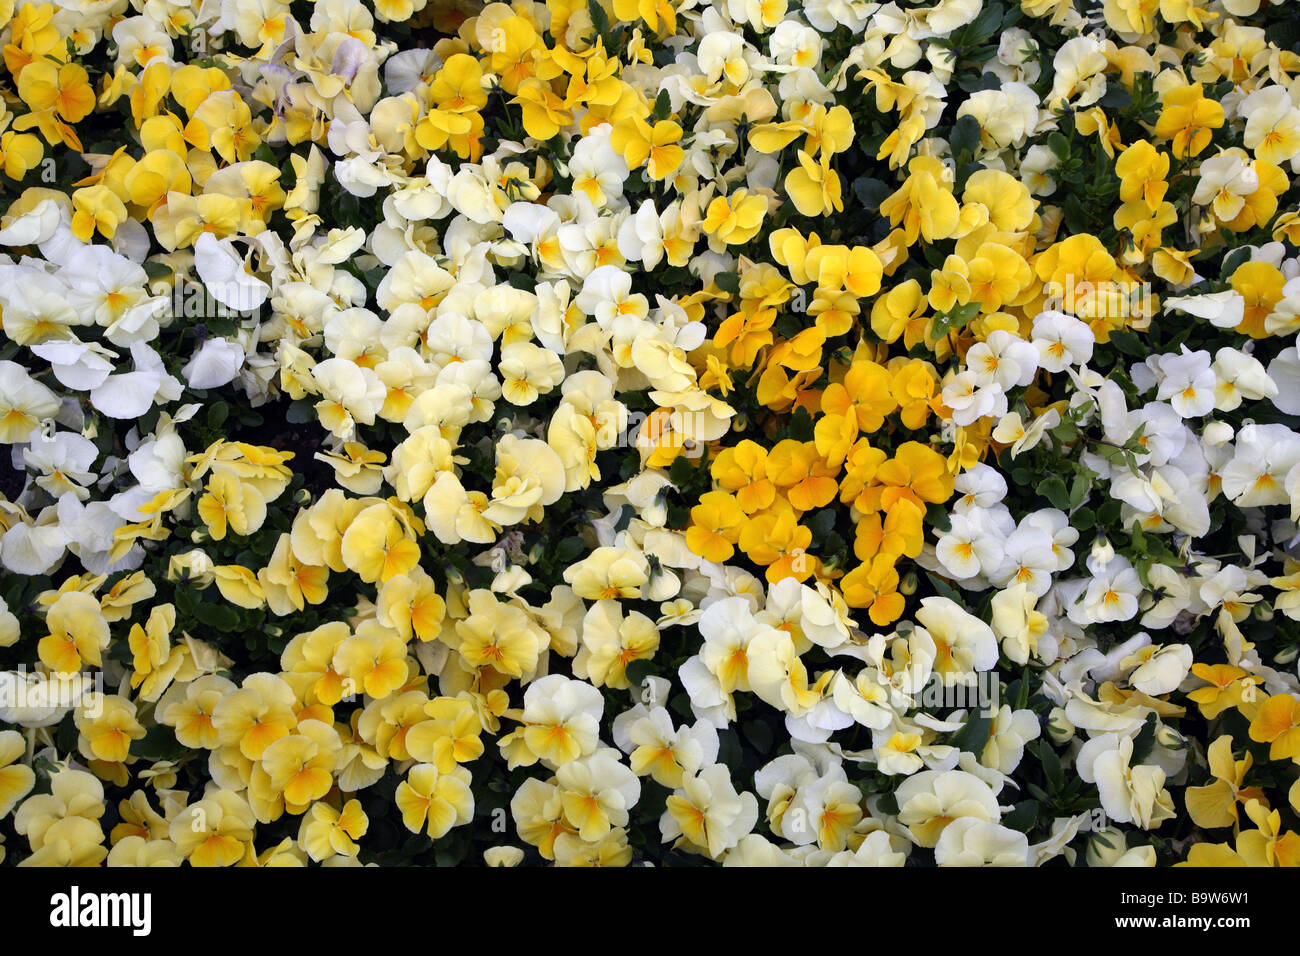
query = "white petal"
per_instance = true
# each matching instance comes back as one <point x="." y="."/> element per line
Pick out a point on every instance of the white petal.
<point x="1285" y="372"/>
<point x="128" y="395"/>
<point x="215" y="363"/>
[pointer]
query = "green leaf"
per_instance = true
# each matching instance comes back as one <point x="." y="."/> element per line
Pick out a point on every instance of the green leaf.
<point x="1051" y="762"/>
<point x="821" y="523"/>
<point x="681" y="471"/>
<point x="1144" y="741"/>
<point x="759" y="734"/>
<point x="568" y="549"/>
<point x="158" y="744"/>
<point x="1023" y="816"/>
<point x="955" y="319"/>
<point x="158" y="270"/>
<point x="663" y="105"/>
<point x="599" y="18"/>
<point x="1233" y="260"/>
<point x="985" y="25"/>
<point x="639" y="670"/>
<point x="1079" y="489"/>
<point x="870" y="192"/>
<point x="222" y="617"/>
<point x="801" y="425"/>
<point x="1116" y="97"/>
<point x="965" y="136"/>
<point x="217" y="414"/>
<point x="944" y="589"/>
<point x="1128" y="343"/>
<point x="1053" y="489"/>
<point x="1108" y="513"/>
<point x="1065" y="432"/>
<point x="727" y="282"/>
<point x="974" y="734"/>
<point x="938" y="515"/>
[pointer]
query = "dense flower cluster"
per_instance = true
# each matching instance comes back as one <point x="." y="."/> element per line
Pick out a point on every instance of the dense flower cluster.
<point x="606" y="432"/>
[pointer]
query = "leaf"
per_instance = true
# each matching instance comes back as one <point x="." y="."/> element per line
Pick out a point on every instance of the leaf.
<point x="938" y="515"/>
<point x="758" y="733"/>
<point x="955" y="319"/>
<point x="1108" y="513"/>
<point x="1234" y="259"/>
<point x="681" y="471"/>
<point x="729" y="751"/>
<point x="1144" y="741"/>
<point x="1079" y="489"/>
<point x="568" y="549"/>
<point x="222" y="617"/>
<point x="625" y="515"/>
<point x="1127" y="342"/>
<point x="974" y="734"/>
<point x="944" y="589"/>
<point x="801" y="425"/>
<point x="159" y="743"/>
<point x="217" y="414"/>
<point x="639" y="670"/>
<point x="1022" y="817"/>
<point x="985" y="25"/>
<point x="870" y="192"/>
<point x="727" y="282"/>
<point x="599" y="18"/>
<point x="1051" y="763"/>
<point x="157" y="270"/>
<point x="1053" y="489"/>
<point x="821" y="523"/>
<point x="663" y="105"/>
<point x="1065" y="432"/>
<point x="1116" y="97"/>
<point x="1022" y="690"/>
<point x="965" y="135"/>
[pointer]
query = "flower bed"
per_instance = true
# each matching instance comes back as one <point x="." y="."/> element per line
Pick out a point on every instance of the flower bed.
<point x="604" y="432"/>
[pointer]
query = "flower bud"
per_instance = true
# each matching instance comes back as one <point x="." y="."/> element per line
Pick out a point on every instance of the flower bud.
<point x="1105" y="847"/>
<point x="1169" y="738"/>
<point x="1217" y="433"/>
<point x="1059" y="727"/>
<point x="503" y="856"/>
